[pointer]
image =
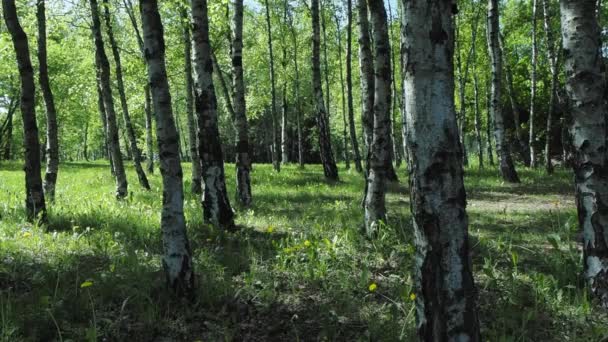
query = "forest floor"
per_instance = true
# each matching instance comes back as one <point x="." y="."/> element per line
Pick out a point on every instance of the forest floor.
<point x="299" y="269"/>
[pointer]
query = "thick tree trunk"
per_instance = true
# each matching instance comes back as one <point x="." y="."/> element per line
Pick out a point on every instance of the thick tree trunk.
<point x="375" y="207"/>
<point x="445" y="291"/>
<point x="366" y="68"/>
<point x="275" y="124"/>
<point x="532" y="135"/>
<point x="34" y="194"/>
<point x="585" y="84"/>
<point x="52" y="141"/>
<point x="141" y="175"/>
<point x="243" y="158"/>
<point x="349" y="89"/>
<point x="177" y="260"/>
<point x="327" y="156"/>
<point x="216" y="204"/>
<point x="507" y="169"/>
<point x="195" y="186"/>
<point x="551" y="56"/>
<point x="104" y="74"/>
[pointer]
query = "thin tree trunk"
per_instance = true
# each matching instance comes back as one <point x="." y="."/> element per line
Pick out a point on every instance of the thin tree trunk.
<point x="395" y="94"/>
<point x="551" y="56"/>
<point x="462" y="79"/>
<point x="532" y="135"/>
<point x="296" y="87"/>
<point x="275" y="124"/>
<point x="325" y="60"/>
<point x="586" y="85"/>
<point x="104" y="121"/>
<point x="345" y="127"/>
<point x="327" y="156"/>
<point x="375" y="207"/>
<point x="177" y="260"/>
<point x="196" y="175"/>
<point x="507" y="169"/>
<point x="6" y="153"/>
<point x="216" y="204"/>
<point x="149" y="142"/>
<point x="445" y="290"/>
<point x="285" y="102"/>
<point x="52" y="142"/>
<point x="349" y="89"/>
<point x="104" y="66"/>
<point x="243" y="158"/>
<point x="141" y="175"/>
<point x="489" y="126"/>
<point x="476" y="98"/>
<point x="367" y="76"/>
<point x="34" y="194"/>
<point x="85" y="150"/>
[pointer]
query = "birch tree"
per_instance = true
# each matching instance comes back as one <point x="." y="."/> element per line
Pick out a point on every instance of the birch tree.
<point x="552" y="57"/>
<point x="532" y="135"/>
<point x="354" y="143"/>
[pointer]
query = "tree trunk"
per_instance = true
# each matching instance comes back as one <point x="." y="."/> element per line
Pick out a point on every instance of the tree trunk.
<point x="6" y="153"/>
<point x="532" y="135"/>
<point x="462" y="79"/>
<point x="177" y="261"/>
<point x="489" y="126"/>
<point x="34" y="194"/>
<point x="104" y="122"/>
<point x="275" y="124"/>
<point x="195" y="186"/>
<point x="216" y="204"/>
<point x="325" y="60"/>
<point x="522" y="145"/>
<point x="586" y="85"/>
<point x="327" y="156"/>
<point x="349" y="89"/>
<point x="243" y="158"/>
<point x="507" y="169"/>
<point x="345" y="127"/>
<point x="395" y="151"/>
<point x="141" y="175"/>
<point x="445" y="291"/>
<point x="476" y="98"/>
<point x="551" y="56"/>
<point x="366" y="68"/>
<point x="149" y="142"/>
<point x="375" y="208"/>
<point x="296" y="87"/>
<point x="52" y="142"/>
<point x="104" y="74"/>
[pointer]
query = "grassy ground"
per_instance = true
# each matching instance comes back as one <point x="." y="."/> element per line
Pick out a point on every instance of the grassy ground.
<point x="299" y="268"/>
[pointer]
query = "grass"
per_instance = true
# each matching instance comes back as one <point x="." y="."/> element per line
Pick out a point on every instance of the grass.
<point x="299" y="269"/>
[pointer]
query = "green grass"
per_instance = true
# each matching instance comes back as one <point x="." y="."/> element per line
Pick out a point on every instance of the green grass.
<point x="299" y="268"/>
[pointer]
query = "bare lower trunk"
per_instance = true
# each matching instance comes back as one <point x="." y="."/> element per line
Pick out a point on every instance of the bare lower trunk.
<point x="34" y="194"/>
<point x="327" y="156"/>
<point x="532" y="135"/>
<point x="586" y="87"/>
<point x="195" y="187"/>
<point x="507" y="169"/>
<point x="216" y="204"/>
<point x="104" y="74"/>
<point x="489" y="127"/>
<point x="477" y="120"/>
<point x="136" y="155"/>
<point x="349" y="90"/>
<point x="52" y="142"/>
<point x="275" y="122"/>
<point x="375" y="206"/>
<point x="445" y="291"/>
<point x="296" y="86"/>
<point x="149" y="143"/>
<point x="342" y="88"/>
<point x="177" y="260"/>
<point x="551" y="55"/>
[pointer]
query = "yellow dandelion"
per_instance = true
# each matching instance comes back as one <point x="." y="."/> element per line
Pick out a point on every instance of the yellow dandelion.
<point x="372" y="287"/>
<point x="307" y="243"/>
<point x="270" y="229"/>
<point x="87" y="283"/>
<point x="27" y="234"/>
<point x="412" y="296"/>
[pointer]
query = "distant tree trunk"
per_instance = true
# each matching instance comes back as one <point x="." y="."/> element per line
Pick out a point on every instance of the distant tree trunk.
<point x="462" y="80"/>
<point x="507" y="169"/>
<point x="375" y="207"/>
<point x="404" y="147"/>
<point x="275" y="124"/>
<point x="327" y="156"/>
<point x="296" y="86"/>
<point x="586" y="87"/>
<point x="489" y="126"/>
<point x="522" y="145"/>
<point x="345" y="127"/>
<point x="551" y="56"/>
<point x="141" y="175"/>
<point x="532" y="135"/>
<point x="395" y="150"/>
<point x="243" y="158"/>
<point x="104" y="122"/>
<point x="285" y="102"/>
<point x="349" y="89"/>
<point x="325" y="60"/>
<point x="52" y="142"/>
<point x="216" y="204"/>
<point x="6" y="153"/>
<point x="149" y="142"/>
<point x="104" y="73"/>
<point x="476" y="97"/>
<point x="34" y="194"/>
<point x="445" y="290"/>
<point x="85" y="150"/>
<point x="177" y="260"/>
<point x="195" y="187"/>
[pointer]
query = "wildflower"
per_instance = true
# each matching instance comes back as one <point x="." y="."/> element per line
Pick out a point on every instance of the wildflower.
<point x="27" y="234"/>
<point x="87" y="283"/>
<point x="307" y="243"/>
<point x="412" y="296"/>
<point x="270" y="229"/>
<point x="372" y="287"/>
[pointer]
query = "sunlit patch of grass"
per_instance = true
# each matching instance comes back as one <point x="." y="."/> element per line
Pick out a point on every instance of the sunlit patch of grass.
<point x="299" y="268"/>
